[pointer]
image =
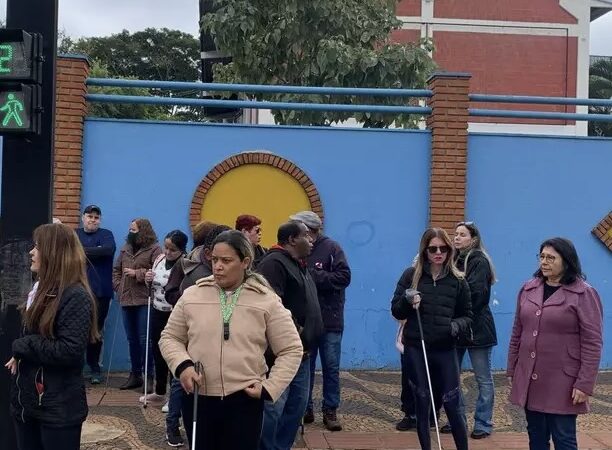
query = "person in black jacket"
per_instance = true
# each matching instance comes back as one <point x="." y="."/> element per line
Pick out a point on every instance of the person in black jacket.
<point x="48" y="401"/>
<point x="331" y="273"/>
<point x="285" y="269"/>
<point x="250" y="226"/>
<point x="437" y="288"/>
<point x="473" y="260"/>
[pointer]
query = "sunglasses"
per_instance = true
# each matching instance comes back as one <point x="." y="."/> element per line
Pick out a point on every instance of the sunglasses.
<point x="465" y="224"/>
<point x="433" y="249"/>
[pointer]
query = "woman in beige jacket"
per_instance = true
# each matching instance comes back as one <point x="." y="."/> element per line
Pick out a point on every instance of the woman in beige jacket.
<point x="226" y="322"/>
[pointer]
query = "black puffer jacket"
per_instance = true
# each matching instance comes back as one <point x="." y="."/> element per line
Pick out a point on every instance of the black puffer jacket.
<point x="443" y="301"/>
<point x="479" y="277"/>
<point x="56" y="365"/>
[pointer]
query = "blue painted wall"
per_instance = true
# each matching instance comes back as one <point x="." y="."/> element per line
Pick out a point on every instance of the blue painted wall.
<point x="522" y="190"/>
<point x="373" y="185"/>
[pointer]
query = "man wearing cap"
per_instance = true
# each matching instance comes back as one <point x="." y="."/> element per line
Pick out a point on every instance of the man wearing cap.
<point x="99" y="246"/>
<point x="331" y="273"/>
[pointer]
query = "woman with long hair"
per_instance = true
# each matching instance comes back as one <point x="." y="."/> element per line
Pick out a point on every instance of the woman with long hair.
<point x="555" y="347"/>
<point x="135" y="258"/>
<point x="48" y="401"/>
<point x="226" y="322"/>
<point x="473" y="260"/>
<point x="442" y="296"/>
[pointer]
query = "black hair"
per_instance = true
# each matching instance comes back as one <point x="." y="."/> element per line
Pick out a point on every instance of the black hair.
<point x="291" y="229"/>
<point x="572" y="269"/>
<point x="211" y="237"/>
<point x="178" y="238"/>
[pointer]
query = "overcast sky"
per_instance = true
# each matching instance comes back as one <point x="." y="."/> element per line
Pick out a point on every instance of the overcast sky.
<point x="104" y="17"/>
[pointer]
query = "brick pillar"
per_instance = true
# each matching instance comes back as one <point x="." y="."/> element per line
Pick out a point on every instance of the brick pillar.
<point x="448" y="124"/>
<point x="70" y="111"/>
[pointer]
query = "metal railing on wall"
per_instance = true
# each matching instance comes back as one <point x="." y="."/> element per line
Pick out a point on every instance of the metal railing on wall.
<point x="257" y="104"/>
<point x="536" y="100"/>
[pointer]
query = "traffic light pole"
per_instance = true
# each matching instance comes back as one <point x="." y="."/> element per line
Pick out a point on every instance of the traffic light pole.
<point x="27" y="193"/>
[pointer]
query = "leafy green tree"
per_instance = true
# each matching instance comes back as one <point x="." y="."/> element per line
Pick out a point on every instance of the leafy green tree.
<point x="600" y="86"/>
<point x="344" y="43"/>
<point x="120" y="110"/>
<point x="152" y="54"/>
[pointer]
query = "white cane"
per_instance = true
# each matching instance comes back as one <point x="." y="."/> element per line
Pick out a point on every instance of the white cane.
<point x="196" y="391"/>
<point x="433" y="406"/>
<point x="146" y="368"/>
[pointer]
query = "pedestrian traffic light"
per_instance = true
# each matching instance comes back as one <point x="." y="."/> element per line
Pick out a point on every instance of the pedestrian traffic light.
<point x="20" y="79"/>
<point x="20" y="56"/>
<point x="19" y="108"/>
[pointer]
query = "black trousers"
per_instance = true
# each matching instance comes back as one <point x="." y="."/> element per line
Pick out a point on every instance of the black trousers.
<point x="159" y="319"/>
<point x="231" y="423"/>
<point x="93" y="350"/>
<point x="407" y="394"/>
<point x="444" y="371"/>
<point x="33" y="435"/>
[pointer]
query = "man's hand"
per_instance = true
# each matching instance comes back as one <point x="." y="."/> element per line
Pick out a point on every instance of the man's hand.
<point x="578" y="396"/>
<point x="188" y="379"/>
<point x="254" y="390"/>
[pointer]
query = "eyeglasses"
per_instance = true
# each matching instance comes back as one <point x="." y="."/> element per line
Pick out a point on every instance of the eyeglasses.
<point x="546" y="258"/>
<point x="258" y="230"/>
<point x="434" y="249"/>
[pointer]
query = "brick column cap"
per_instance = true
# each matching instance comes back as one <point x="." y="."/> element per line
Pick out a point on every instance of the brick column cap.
<point x="442" y="74"/>
<point x="79" y="56"/>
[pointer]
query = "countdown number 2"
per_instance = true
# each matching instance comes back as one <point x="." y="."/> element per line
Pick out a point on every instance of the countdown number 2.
<point x="6" y="55"/>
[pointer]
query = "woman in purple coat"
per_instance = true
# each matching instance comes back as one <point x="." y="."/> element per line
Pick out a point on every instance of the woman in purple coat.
<point x="555" y="347"/>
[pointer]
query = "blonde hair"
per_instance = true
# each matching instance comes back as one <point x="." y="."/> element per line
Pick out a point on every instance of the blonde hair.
<point x="449" y="264"/>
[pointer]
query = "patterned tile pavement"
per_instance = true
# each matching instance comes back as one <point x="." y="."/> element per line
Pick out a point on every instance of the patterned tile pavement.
<point x="369" y="411"/>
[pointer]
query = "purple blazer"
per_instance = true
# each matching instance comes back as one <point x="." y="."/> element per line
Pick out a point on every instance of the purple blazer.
<point x="555" y="347"/>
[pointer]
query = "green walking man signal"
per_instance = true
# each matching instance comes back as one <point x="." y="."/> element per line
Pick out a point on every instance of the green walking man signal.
<point x="20" y="79"/>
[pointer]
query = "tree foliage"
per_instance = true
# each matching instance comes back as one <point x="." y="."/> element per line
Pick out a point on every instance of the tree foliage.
<point x="343" y="43"/>
<point x="600" y="86"/>
<point x="152" y="54"/>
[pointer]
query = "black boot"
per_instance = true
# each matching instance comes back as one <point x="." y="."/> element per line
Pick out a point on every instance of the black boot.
<point x="133" y="382"/>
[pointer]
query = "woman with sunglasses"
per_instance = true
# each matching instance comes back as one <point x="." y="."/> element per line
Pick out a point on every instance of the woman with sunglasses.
<point x="474" y="261"/>
<point x="555" y="348"/>
<point x="437" y="289"/>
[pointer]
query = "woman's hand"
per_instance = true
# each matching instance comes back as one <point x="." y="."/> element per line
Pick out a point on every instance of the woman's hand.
<point x="416" y="301"/>
<point x="254" y="390"/>
<point x="578" y="396"/>
<point x="11" y="365"/>
<point x="189" y="377"/>
<point x="149" y="275"/>
<point x="129" y="272"/>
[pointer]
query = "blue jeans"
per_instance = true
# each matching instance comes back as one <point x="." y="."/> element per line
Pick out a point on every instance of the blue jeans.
<point x="283" y="418"/>
<point x="175" y="403"/>
<point x="135" y="324"/>
<point x="541" y="426"/>
<point x="330" y="347"/>
<point x="481" y="363"/>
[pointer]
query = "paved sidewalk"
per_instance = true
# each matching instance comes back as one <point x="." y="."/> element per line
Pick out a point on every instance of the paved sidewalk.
<point x="369" y="411"/>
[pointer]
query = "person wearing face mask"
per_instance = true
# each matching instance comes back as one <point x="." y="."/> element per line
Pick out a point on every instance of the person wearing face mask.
<point x="175" y="245"/>
<point x="99" y="246"/>
<point x="225" y="322"/>
<point x="555" y="347"/>
<point x="439" y="291"/>
<point x="135" y="258"/>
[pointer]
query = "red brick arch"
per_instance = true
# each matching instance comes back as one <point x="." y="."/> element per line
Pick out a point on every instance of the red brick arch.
<point x="253" y="157"/>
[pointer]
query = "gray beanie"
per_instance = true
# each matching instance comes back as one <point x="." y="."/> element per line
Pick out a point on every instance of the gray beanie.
<point x="308" y="218"/>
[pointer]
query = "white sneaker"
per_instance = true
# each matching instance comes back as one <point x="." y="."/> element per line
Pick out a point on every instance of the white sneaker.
<point x="152" y="398"/>
<point x="165" y="408"/>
